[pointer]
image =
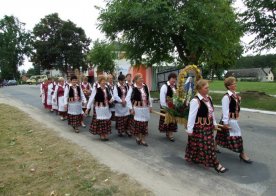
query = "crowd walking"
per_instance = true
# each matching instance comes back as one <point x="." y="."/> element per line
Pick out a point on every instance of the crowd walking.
<point x="128" y="102"/>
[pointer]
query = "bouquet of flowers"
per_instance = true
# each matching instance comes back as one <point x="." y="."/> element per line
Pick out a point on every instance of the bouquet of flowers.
<point x="178" y="106"/>
<point x="177" y="110"/>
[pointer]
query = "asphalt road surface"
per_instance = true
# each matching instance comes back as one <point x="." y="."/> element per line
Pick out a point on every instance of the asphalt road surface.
<point x="167" y="158"/>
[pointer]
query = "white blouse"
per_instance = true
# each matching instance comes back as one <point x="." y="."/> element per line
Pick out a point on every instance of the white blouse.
<point x="194" y="106"/>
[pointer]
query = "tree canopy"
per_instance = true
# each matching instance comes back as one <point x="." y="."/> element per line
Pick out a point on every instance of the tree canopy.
<point x="59" y="44"/>
<point x="15" y="45"/>
<point x="102" y="56"/>
<point x="164" y="30"/>
<point x="260" y="19"/>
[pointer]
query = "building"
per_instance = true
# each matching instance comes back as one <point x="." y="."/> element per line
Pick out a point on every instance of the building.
<point x="252" y="74"/>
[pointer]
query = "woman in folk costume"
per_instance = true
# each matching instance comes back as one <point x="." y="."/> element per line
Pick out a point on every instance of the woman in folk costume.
<point x="129" y="85"/>
<point x="167" y="91"/>
<point x="111" y="87"/>
<point x="139" y="101"/>
<point x="128" y="81"/>
<point x="87" y="89"/>
<point x="201" y="123"/>
<point x="42" y="94"/>
<point x="231" y="138"/>
<point x="121" y="110"/>
<point x="59" y="98"/>
<point x="100" y="100"/>
<point x="73" y="99"/>
<point x="48" y="89"/>
<point x="54" y="100"/>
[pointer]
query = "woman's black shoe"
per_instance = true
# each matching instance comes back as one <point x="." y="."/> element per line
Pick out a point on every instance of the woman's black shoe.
<point x="144" y="144"/>
<point x="221" y="169"/>
<point x="246" y="161"/>
<point x="138" y="141"/>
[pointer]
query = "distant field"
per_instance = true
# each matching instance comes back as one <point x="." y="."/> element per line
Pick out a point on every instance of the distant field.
<point x="267" y="87"/>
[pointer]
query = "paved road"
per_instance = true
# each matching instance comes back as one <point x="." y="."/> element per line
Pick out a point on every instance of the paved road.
<point x="166" y="158"/>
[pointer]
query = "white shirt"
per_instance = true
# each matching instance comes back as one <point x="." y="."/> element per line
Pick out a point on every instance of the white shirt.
<point x="194" y="106"/>
<point x="163" y="94"/>
<point x="225" y="107"/>
<point x="115" y="93"/>
<point x="92" y="97"/>
<point x="66" y="95"/>
<point x="128" y="98"/>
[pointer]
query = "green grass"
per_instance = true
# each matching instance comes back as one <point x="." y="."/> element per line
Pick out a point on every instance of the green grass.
<point x="267" y="87"/>
<point x="35" y="161"/>
<point x="249" y="100"/>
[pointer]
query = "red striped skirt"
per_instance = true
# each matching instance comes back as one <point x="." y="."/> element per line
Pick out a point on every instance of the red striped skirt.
<point x="163" y="128"/>
<point x="139" y="127"/>
<point x="74" y="120"/>
<point x="122" y="123"/>
<point x="99" y="127"/>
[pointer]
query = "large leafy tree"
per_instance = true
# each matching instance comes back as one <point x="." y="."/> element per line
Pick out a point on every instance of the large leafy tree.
<point x="161" y="30"/>
<point x="59" y="44"/>
<point x="260" y="19"/>
<point x="15" y="45"/>
<point x="102" y="56"/>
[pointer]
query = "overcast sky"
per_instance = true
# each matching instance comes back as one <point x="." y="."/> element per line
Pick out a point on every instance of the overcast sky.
<point x="81" y="12"/>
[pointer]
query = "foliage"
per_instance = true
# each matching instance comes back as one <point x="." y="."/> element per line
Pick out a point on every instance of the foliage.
<point x="192" y="31"/>
<point x="260" y="19"/>
<point x="59" y="44"/>
<point x="263" y="61"/>
<point x="177" y="107"/>
<point x="102" y="56"/>
<point x="15" y="44"/>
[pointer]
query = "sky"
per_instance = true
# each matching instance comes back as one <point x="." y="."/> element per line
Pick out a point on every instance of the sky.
<point x="81" y="12"/>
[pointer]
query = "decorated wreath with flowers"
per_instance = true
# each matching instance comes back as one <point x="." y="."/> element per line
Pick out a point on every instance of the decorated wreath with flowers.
<point x="178" y="106"/>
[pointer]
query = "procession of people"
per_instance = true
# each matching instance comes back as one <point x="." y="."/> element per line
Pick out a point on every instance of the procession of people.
<point x="128" y="102"/>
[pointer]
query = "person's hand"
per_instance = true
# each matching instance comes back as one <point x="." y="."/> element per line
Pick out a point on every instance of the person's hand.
<point x="132" y="112"/>
<point x="150" y="109"/>
<point x="226" y="126"/>
<point x="86" y="111"/>
<point x="66" y="107"/>
<point x="216" y="127"/>
<point x="189" y="134"/>
<point x="111" y="100"/>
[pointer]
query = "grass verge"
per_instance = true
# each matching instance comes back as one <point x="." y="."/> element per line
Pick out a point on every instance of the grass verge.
<point x="253" y="100"/>
<point x="34" y="161"/>
<point x="267" y="87"/>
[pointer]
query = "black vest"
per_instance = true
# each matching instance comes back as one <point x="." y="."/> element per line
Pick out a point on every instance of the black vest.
<point x="203" y="111"/>
<point x="120" y="93"/>
<point x="71" y="92"/>
<point x="169" y="91"/>
<point x="100" y="98"/>
<point x="136" y="94"/>
<point x="233" y="105"/>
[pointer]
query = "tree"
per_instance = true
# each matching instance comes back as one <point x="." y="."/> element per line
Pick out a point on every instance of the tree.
<point x="33" y="71"/>
<point x="260" y="19"/>
<point x="102" y="55"/>
<point x="15" y="44"/>
<point x="59" y="44"/>
<point x="160" y="30"/>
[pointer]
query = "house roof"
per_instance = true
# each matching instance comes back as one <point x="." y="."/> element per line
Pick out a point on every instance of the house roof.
<point x="252" y="72"/>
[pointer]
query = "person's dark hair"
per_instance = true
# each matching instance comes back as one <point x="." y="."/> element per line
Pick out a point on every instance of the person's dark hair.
<point x="121" y="77"/>
<point x="128" y="75"/>
<point x="172" y="75"/>
<point x="73" y="77"/>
